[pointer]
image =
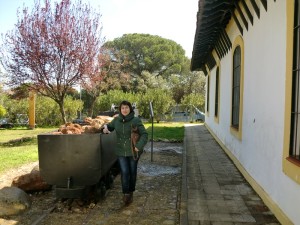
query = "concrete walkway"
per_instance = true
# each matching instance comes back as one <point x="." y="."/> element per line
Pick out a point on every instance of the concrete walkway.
<point x="214" y="192"/>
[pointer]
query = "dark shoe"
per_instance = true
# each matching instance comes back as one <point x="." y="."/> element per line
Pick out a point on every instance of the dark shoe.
<point x="130" y="200"/>
<point x="127" y="199"/>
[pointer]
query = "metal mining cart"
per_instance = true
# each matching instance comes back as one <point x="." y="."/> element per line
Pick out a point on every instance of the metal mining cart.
<point x="76" y="163"/>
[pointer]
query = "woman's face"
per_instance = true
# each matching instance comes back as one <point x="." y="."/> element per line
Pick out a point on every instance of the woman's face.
<point x="125" y="110"/>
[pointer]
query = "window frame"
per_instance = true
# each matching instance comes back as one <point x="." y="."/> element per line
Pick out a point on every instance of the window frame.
<point x="217" y="92"/>
<point x="207" y="94"/>
<point x="290" y="166"/>
<point x="294" y="152"/>
<point x="236" y="90"/>
<point x="236" y="131"/>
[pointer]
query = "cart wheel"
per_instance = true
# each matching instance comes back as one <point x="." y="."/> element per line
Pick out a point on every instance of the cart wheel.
<point x="100" y="191"/>
<point x="116" y="169"/>
<point x="103" y="189"/>
<point x="109" y="180"/>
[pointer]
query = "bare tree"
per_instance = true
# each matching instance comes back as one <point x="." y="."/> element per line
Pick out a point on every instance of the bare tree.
<point x="93" y="84"/>
<point x="53" y="48"/>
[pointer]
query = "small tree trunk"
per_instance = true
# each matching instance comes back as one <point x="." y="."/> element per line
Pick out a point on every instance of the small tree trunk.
<point x="62" y="111"/>
<point x="91" y="109"/>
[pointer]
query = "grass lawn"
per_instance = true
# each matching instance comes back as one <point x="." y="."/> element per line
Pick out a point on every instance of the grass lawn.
<point x="16" y="153"/>
<point x="166" y="131"/>
<point x="15" y="156"/>
<point x="11" y="134"/>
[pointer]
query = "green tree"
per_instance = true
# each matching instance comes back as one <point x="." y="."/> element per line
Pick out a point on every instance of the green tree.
<point x="152" y="62"/>
<point x="2" y="111"/>
<point x="187" y="83"/>
<point x="2" y="96"/>
<point x="47" y="111"/>
<point x="161" y="99"/>
<point x="15" y="107"/>
<point x="146" y="52"/>
<point x="72" y="106"/>
<point x="194" y="99"/>
<point x="104" y="102"/>
<point x="149" y="81"/>
<point x="176" y="85"/>
<point x="161" y="102"/>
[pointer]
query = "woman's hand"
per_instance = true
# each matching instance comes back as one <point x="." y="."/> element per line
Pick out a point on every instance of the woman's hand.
<point x="136" y="149"/>
<point x="105" y="129"/>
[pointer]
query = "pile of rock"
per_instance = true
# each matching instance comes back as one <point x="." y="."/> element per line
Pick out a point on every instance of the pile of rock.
<point x="93" y="126"/>
<point x="16" y="199"/>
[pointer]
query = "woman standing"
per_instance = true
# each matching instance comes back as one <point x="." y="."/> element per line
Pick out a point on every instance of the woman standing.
<point x="127" y="150"/>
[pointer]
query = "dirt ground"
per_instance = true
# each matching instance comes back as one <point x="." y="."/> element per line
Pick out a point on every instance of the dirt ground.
<point x="156" y="200"/>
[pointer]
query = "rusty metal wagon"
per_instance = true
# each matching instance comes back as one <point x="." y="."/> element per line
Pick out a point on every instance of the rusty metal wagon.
<point x="78" y="164"/>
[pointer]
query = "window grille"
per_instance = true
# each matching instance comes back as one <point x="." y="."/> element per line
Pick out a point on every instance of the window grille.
<point x="207" y="100"/>
<point x="295" y="112"/>
<point x="217" y="93"/>
<point x="236" y="87"/>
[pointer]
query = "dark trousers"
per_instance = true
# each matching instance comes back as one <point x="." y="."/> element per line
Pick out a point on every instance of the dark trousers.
<point x="128" y="173"/>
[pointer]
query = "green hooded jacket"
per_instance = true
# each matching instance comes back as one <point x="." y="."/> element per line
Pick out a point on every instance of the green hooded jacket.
<point x="122" y="125"/>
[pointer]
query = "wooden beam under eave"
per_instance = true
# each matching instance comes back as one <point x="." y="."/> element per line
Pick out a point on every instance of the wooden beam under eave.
<point x="255" y="7"/>
<point x="204" y="70"/>
<point x="224" y="44"/>
<point x="220" y="46"/>
<point x="247" y="11"/>
<point x="210" y="64"/>
<point x="227" y="38"/>
<point x="237" y="22"/>
<point x="265" y="4"/>
<point x="227" y="42"/>
<point x="217" y="49"/>
<point x="212" y="60"/>
<point x="241" y="14"/>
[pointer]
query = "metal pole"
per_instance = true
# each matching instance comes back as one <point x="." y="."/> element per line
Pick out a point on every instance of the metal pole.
<point x="80" y="100"/>
<point x="152" y="141"/>
<point x="152" y="115"/>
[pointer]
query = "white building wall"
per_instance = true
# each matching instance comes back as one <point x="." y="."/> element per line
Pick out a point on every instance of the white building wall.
<point x="261" y="148"/>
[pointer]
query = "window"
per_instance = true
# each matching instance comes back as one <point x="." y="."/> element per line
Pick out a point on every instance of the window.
<point x="207" y="100"/>
<point x="236" y="87"/>
<point x="295" y="112"/>
<point x="217" y="93"/>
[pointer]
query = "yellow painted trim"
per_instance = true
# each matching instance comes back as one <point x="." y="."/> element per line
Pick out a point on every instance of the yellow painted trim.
<point x="279" y="214"/>
<point x="238" y="132"/>
<point x="215" y="55"/>
<point x="290" y="169"/>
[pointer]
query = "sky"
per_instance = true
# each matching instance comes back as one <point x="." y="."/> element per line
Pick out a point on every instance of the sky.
<point x="170" y="19"/>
